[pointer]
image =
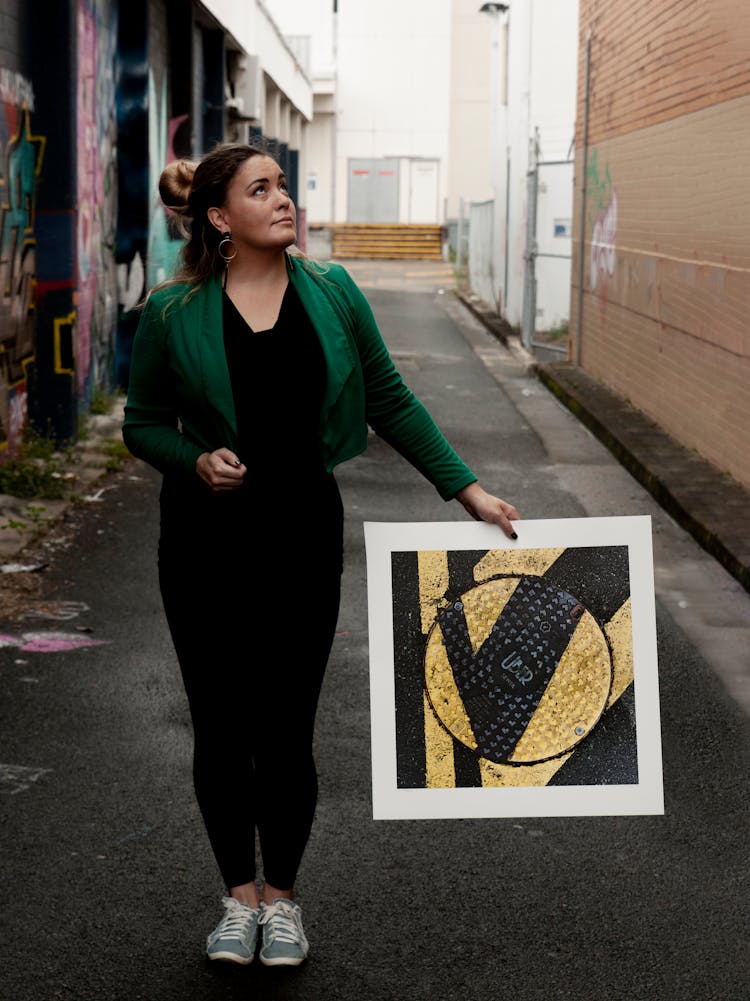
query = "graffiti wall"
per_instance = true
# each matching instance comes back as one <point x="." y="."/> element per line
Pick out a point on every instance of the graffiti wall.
<point x="153" y="114"/>
<point x="94" y="101"/>
<point x="164" y="243"/>
<point x="132" y="192"/>
<point x="21" y="162"/>
<point x="666" y="281"/>
<point x="97" y="196"/>
<point x="57" y="226"/>
<point x="602" y="220"/>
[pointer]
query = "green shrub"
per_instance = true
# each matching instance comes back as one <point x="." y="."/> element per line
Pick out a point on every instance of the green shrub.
<point x="32" y="477"/>
<point x="102" y="401"/>
<point x="117" y="453"/>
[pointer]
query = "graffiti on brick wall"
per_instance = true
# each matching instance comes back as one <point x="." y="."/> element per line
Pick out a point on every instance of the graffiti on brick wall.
<point x="163" y="243"/>
<point x="132" y="226"/>
<point x="602" y="199"/>
<point x="21" y="158"/>
<point x="97" y="195"/>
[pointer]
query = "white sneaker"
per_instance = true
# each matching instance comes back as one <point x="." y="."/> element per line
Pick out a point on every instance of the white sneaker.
<point x="236" y="935"/>
<point x="284" y="942"/>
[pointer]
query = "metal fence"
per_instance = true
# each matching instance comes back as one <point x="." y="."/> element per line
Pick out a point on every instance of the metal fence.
<point x="547" y="255"/>
<point x="475" y="233"/>
<point x="549" y="192"/>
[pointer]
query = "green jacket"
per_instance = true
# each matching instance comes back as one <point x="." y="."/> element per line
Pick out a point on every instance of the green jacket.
<point x="180" y="401"/>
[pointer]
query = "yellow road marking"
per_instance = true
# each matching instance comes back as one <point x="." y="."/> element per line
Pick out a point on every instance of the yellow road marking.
<point x="619" y="632"/>
<point x="440" y="772"/>
<point x="519" y="561"/>
<point x="433" y="583"/>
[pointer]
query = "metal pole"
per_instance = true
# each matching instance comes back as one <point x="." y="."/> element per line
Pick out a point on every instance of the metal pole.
<point x="460" y="236"/>
<point x="528" y="320"/>
<point x="582" y="224"/>
<point x="506" y="99"/>
<point x="507" y="227"/>
<point x="333" y="141"/>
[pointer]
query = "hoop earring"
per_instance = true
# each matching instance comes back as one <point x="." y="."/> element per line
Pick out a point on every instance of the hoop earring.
<point x="226" y="238"/>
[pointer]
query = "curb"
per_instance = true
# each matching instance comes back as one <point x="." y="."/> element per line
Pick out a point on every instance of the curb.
<point x="708" y="504"/>
<point x="689" y="488"/>
<point x="498" y="327"/>
<point x="26" y="520"/>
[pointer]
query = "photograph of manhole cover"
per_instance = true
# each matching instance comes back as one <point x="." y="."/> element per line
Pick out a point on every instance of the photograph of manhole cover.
<point x="513" y="667"/>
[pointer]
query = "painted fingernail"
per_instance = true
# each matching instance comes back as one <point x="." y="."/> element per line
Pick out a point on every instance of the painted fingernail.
<point x="513" y="535"/>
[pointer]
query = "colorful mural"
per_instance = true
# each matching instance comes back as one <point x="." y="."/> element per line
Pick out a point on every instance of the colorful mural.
<point x="163" y="242"/>
<point x="97" y="196"/>
<point x="21" y="159"/>
<point x="132" y="191"/>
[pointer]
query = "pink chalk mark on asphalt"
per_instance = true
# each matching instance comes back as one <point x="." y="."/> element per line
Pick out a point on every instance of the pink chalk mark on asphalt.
<point x="49" y="642"/>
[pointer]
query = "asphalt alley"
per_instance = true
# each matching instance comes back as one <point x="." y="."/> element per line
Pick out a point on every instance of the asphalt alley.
<point x="109" y="886"/>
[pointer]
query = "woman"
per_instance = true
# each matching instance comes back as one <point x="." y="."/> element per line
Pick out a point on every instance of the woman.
<point x="253" y="374"/>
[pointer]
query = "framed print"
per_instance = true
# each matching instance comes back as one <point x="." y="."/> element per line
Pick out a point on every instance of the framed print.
<point x="513" y="677"/>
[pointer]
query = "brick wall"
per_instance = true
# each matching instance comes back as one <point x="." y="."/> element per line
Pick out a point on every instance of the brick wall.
<point x="666" y="256"/>
<point x="655" y="60"/>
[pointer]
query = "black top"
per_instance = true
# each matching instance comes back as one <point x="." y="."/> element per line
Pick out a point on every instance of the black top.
<point x="278" y="380"/>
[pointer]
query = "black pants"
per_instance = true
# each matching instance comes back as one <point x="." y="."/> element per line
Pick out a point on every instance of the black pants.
<point x="252" y="608"/>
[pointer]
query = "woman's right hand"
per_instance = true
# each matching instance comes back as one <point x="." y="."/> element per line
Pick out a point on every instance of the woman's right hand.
<point x="221" y="470"/>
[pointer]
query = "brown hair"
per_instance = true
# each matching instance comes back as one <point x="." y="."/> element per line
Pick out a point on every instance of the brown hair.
<point x="189" y="190"/>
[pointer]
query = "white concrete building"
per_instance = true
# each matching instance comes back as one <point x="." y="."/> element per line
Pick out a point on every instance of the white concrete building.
<point x="470" y="149"/>
<point x="401" y="123"/>
<point x="269" y="86"/>
<point x="415" y="105"/>
<point x="257" y="34"/>
<point x="393" y="111"/>
<point x="309" y="27"/>
<point x="535" y="49"/>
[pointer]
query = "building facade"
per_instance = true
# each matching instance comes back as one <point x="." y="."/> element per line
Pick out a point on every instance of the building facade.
<point x="661" y="293"/>
<point x="97" y="97"/>
<point x="379" y="140"/>
<point x="534" y="45"/>
<point x="393" y="67"/>
<point x="309" y="27"/>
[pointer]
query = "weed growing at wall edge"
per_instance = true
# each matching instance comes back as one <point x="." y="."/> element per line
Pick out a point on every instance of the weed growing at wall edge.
<point x="32" y="477"/>
<point x="38" y="470"/>
<point x="117" y="455"/>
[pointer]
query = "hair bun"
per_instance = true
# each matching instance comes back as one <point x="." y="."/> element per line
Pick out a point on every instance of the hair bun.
<point x="175" y="184"/>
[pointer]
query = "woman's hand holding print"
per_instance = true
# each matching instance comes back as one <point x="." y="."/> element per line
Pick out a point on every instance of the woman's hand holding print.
<point x="484" y="507"/>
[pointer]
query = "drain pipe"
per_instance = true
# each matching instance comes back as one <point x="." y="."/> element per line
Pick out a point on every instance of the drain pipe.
<point x="582" y="225"/>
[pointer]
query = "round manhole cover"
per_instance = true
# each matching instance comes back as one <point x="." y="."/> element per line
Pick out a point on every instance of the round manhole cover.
<point x="517" y="670"/>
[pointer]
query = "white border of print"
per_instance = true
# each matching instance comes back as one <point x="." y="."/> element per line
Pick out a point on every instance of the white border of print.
<point x="392" y="803"/>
